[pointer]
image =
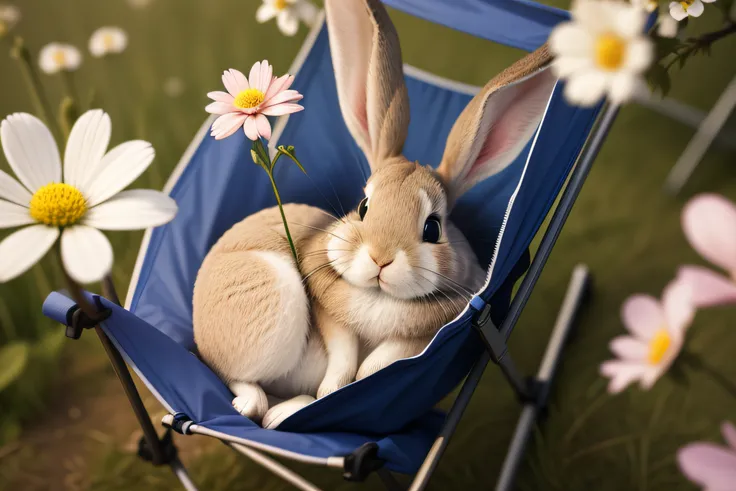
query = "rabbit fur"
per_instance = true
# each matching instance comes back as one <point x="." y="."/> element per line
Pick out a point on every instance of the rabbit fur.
<point x="369" y="288"/>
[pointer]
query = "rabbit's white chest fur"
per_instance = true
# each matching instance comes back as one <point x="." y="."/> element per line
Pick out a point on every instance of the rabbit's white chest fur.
<point x="374" y="315"/>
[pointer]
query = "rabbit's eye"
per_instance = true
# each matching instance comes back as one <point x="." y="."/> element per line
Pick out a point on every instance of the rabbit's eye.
<point x="363" y="208"/>
<point x="432" y="230"/>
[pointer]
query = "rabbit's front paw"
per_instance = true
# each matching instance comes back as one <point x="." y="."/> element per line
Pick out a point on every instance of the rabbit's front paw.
<point x="250" y="400"/>
<point x="332" y="383"/>
<point x="277" y="414"/>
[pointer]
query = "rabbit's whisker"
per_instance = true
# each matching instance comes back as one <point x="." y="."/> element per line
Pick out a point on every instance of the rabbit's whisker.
<point x="440" y="275"/>
<point x="323" y="230"/>
<point x="453" y="302"/>
<point x="320" y="268"/>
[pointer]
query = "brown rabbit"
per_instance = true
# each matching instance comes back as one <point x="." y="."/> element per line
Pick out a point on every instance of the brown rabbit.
<point x="386" y="277"/>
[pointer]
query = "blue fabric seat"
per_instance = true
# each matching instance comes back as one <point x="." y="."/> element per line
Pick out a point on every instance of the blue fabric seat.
<point x="216" y="185"/>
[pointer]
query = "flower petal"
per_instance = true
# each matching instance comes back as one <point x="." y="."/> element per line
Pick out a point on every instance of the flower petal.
<point x="282" y="109"/>
<point x="677" y="303"/>
<point x="86" y="253"/>
<point x="642" y="316"/>
<point x="234" y="81"/>
<point x="280" y="84"/>
<point x="586" y="89"/>
<point x="266" y="77"/>
<point x="729" y="434"/>
<point x="307" y="12"/>
<point x="24" y="248"/>
<point x="623" y="87"/>
<point x="13" y="215"/>
<point x="651" y="374"/>
<point x="265" y="13"/>
<point x="570" y="39"/>
<point x="250" y="128"/>
<point x="621" y="374"/>
<point x="132" y="210"/>
<point x="696" y="9"/>
<point x="220" y="108"/>
<point x="630" y="21"/>
<point x="263" y="126"/>
<point x="31" y="150"/>
<point x="709" y="224"/>
<point x="567" y="66"/>
<point x="709" y="465"/>
<point x="677" y="11"/>
<point x="282" y="97"/>
<point x="11" y="190"/>
<point x="639" y="55"/>
<point x="86" y="146"/>
<point x="120" y="167"/>
<point x="629" y="348"/>
<point x="219" y="96"/>
<point x="707" y="287"/>
<point x="254" y="78"/>
<point x="288" y="23"/>
<point x="226" y="125"/>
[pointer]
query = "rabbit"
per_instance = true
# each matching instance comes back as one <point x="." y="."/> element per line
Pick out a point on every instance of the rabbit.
<point x="376" y="285"/>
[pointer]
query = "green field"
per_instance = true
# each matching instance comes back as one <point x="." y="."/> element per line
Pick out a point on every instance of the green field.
<point x="75" y="424"/>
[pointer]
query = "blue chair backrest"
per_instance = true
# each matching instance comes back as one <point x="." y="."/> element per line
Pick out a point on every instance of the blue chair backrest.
<point x="219" y="185"/>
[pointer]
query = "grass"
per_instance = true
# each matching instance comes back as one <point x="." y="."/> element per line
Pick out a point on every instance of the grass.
<point x="622" y="226"/>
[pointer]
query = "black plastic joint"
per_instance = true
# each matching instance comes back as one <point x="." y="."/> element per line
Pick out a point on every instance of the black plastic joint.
<point x="77" y="320"/>
<point x="181" y="423"/>
<point x="167" y="445"/>
<point x="362" y="462"/>
<point x="492" y="338"/>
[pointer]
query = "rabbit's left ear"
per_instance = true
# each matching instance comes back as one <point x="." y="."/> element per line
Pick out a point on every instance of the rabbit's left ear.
<point x="366" y="57"/>
<point x="497" y="124"/>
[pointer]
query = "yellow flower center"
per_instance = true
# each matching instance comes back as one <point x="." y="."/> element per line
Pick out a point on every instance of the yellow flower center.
<point x="58" y="205"/>
<point x="59" y="57"/>
<point x="609" y="51"/>
<point x="659" y="345"/>
<point x="108" y="41"/>
<point x="249" y="98"/>
<point x="687" y="3"/>
<point x="280" y="4"/>
<point x="3" y="29"/>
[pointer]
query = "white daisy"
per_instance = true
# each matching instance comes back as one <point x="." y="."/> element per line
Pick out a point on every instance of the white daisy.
<point x="602" y="51"/>
<point x="692" y="8"/>
<point x="288" y="13"/>
<point x="77" y="206"/>
<point x="9" y="18"/>
<point x="657" y="334"/>
<point x="107" y="40"/>
<point x="56" y="57"/>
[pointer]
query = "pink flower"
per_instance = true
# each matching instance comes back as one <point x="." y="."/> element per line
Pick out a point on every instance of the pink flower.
<point x="248" y="101"/>
<point x="711" y="466"/>
<point x="657" y="335"/>
<point x="709" y="223"/>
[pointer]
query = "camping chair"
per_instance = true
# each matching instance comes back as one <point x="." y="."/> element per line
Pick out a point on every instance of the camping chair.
<point x="385" y="422"/>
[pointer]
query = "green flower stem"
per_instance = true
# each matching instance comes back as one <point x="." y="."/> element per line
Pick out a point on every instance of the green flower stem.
<point x="697" y="363"/>
<point x="20" y="52"/>
<point x="69" y="85"/>
<point x="75" y="290"/>
<point x="265" y="162"/>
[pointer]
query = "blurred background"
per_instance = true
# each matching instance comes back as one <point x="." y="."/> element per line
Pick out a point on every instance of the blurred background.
<point x="65" y="421"/>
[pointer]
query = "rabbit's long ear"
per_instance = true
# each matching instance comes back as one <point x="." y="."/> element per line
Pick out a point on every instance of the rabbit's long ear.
<point x="498" y="123"/>
<point x="366" y="57"/>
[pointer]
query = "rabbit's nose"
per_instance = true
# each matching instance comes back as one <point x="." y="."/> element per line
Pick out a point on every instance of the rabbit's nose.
<point x="381" y="263"/>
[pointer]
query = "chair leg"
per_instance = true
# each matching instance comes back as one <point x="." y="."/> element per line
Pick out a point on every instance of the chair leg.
<point x="576" y="291"/>
<point x="182" y="474"/>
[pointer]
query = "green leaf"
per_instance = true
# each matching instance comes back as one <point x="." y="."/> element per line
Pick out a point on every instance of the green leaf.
<point x="289" y="152"/>
<point x="659" y="79"/>
<point x="665" y="46"/>
<point x="13" y="360"/>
